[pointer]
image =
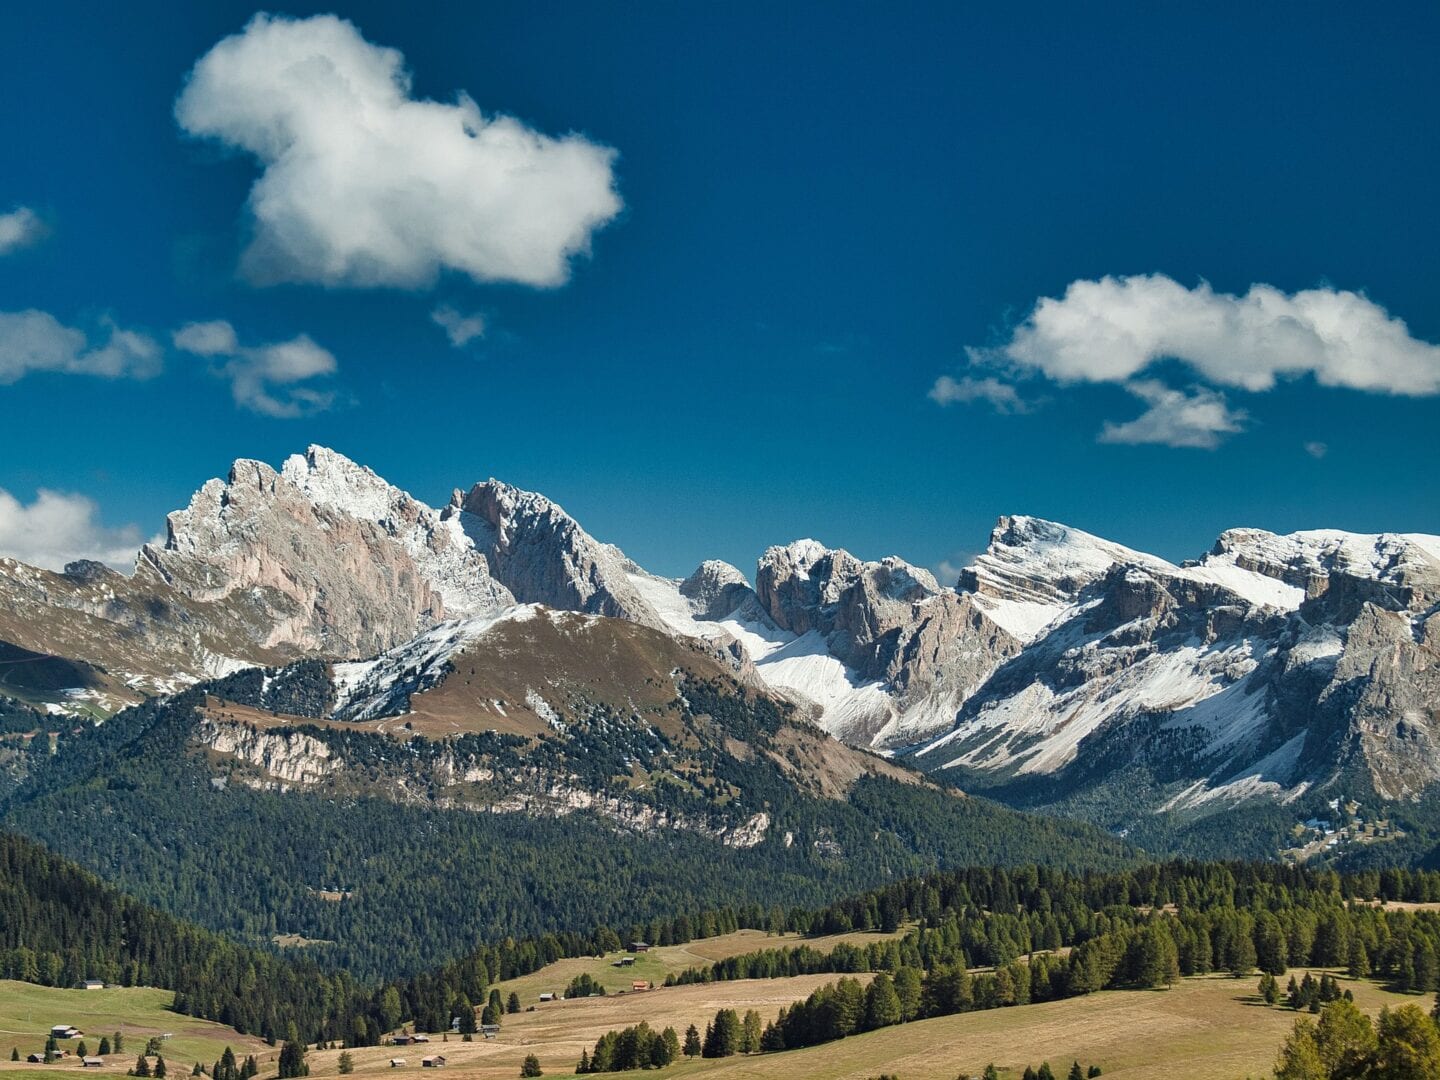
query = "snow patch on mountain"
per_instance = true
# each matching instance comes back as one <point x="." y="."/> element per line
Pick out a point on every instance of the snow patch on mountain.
<point x="366" y="689"/>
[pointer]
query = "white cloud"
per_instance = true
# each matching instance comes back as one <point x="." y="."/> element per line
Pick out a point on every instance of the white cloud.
<point x="364" y="185"/>
<point x="58" y="528"/>
<point x="1198" y="419"/>
<point x="19" y="228"/>
<point x="1317" y="450"/>
<point x="460" y="329"/>
<point x="1113" y="329"/>
<point x="267" y="379"/>
<point x="1003" y="397"/>
<point x="37" y="341"/>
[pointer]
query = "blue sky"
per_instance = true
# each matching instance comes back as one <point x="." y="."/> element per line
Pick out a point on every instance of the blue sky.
<point x="811" y="214"/>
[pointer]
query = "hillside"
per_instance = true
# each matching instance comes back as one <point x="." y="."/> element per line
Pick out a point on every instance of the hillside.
<point x="631" y="777"/>
<point x="28" y="1011"/>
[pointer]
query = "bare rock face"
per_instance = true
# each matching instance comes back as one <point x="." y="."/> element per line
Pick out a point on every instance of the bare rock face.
<point x="333" y="583"/>
<point x="716" y="589"/>
<point x="543" y="556"/>
<point x="891" y="623"/>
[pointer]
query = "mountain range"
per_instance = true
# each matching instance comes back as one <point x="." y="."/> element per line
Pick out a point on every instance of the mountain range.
<point x="1062" y="671"/>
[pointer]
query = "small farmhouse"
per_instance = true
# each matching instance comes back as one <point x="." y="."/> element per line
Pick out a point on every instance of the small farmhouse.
<point x="639" y="946"/>
<point x="35" y="1059"/>
<point x="93" y="984"/>
<point x="490" y="1030"/>
<point x="65" y="1031"/>
<point x="547" y="997"/>
<point x="639" y="984"/>
<point x="436" y="1061"/>
<point x="92" y="1063"/>
<point x="400" y="1040"/>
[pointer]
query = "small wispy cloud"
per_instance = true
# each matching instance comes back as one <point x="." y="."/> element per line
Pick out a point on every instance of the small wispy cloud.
<point x="460" y="329"/>
<point x="37" y="341"/>
<point x="1317" y="450"/>
<point x="20" y="228"/>
<point x="1197" y="419"/>
<point x="272" y="380"/>
<point x="1001" y="396"/>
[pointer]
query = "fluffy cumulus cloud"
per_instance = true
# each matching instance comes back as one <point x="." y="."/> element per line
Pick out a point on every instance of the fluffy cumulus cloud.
<point x="1002" y="396"/>
<point x="1113" y="329"/>
<point x="1117" y="329"/>
<point x="1198" y="418"/>
<point x="37" y="341"/>
<point x="58" y="528"/>
<point x="460" y="329"/>
<point x="364" y="185"/>
<point x="19" y="228"/>
<point x="273" y="380"/>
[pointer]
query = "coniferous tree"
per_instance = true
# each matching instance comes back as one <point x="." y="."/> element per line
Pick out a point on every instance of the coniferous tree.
<point x="292" y="1060"/>
<point x="346" y="1064"/>
<point x="104" y="1050"/>
<point x="142" y="1067"/>
<point x="530" y="1066"/>
<point x="160" y="1069"/>
<point x="692" y="1042"/>
<point x="512" y="1004"/>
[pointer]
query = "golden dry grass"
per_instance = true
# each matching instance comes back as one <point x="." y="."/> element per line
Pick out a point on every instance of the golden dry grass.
<point x="654" y="965"/>
<point x="1210" y="1028"/>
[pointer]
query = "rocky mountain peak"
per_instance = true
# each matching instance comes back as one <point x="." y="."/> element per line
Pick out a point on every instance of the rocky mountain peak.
<point x="543" y="556"/>
<point x="1033" y="560"/>
<point x="716" y="589"/>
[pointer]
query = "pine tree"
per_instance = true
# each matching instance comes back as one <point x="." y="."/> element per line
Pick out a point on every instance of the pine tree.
<point x="104" y="1050"/>
<point x="81" y="1050"/>
<point x="692" y="1042"/>
<point x="1359" y="961"/>
<point x="292" y="1060"/>
<point x="118" y="1043"/>
<point x="160" y="1069"/>
<point x="1075" y="1072"/>
<point x="531" y="1066"/>
<point x="750" y="1033"/>
<point x="512" y="1005"/>
<point x="14" y="1053"/>
<point x="346" y="1064"/>
<point x="142" y="1067"/>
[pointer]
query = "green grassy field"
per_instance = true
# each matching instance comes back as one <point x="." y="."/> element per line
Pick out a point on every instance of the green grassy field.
<point x="654" y="965"/>
<point x="27" y="1012"/>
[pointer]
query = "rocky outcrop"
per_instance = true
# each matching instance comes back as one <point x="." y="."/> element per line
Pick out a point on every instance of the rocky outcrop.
<point x="543" y="556"/>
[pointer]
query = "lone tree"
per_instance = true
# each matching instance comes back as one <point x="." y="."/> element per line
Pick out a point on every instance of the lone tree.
<point x="160" y="1069"/>
<point x="346" y="1063"/>
<point x="531" y="1066"/>
<point x="292" y="1060"/>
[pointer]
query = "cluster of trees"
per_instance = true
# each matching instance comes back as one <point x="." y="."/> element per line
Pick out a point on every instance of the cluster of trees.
<point x="1402" y="1044"/>
<point x="846" y="1008"/>
<point x="584" y="986"/>
<point x="226" y="1068"/>
<point x="639" y="1047"/>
